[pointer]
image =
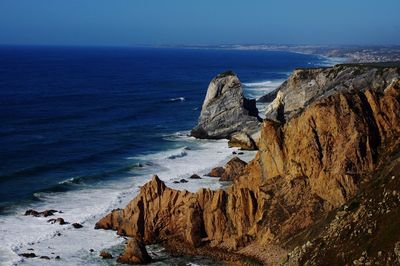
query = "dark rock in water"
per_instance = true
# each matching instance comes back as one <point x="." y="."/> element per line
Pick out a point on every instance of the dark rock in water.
<point x="226" y="111"/>
<point x="28" y="255"/>
<point x="77" y="225"/>
<point x="48" y="213"/>
<point x="233" y="169"/>
<point x="240" y="153"/>
<point x="40" y="214"/>
<point x="135" y="253"/>
<point x="32" y="212"/>
<point x="58" y="220"/>
<point x="242" y="141"/>
<point x="44" y="257"/>
<point x="61" y="221"/>
<point x="176" y="182"/>
<point x="195" y="176"/>
<point x="58" y="234"/>
<point x="30" y="249"/>
<point x="234" y="152"/>
<point x="105" y="255"/>
<point x="91" y="250"/>
<point x="57" y="258"/>
<point x="216" y="172"/>
<point x="183" y="181"/>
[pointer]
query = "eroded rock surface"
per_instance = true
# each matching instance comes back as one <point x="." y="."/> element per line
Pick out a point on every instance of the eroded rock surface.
<point x="135" y="253"/>
<point x="306" y="167"/>
<point x="226" y="111"/>
<point x="305" y="86"/>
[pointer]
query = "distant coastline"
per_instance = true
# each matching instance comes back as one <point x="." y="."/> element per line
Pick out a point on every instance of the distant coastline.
<point x="343" y="53"/>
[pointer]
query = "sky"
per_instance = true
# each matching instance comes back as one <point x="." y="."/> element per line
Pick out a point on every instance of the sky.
<point x="202" y="22"/>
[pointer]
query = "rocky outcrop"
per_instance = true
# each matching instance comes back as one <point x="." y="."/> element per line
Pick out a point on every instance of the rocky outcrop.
<point x="242" y="141"/>
<point x="135" y="253"/>
<point x="226" y="111"/>
<point x="216" y="172"/>
<point x="306" y="167"/>
<point x="233" y="169"/>
<point x="305" y="86"/>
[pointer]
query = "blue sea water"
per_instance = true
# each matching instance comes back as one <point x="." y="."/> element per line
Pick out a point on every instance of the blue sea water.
<point x="81" y="119"/>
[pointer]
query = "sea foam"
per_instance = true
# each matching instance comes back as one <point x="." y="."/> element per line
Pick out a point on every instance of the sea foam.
<point x="88" y="205"/>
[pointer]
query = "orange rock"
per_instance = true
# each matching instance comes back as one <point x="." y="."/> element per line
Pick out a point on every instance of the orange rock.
<point x="305" y="167"/>
<point x="135" y="253"/>
<point x="233" y="169"/>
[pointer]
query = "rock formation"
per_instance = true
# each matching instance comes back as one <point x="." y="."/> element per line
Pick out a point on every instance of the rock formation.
<point x="242" y="140"/>
<point x="305" y="86"/>
<point x="135" y="253"/>
<point x="226" y="111"/>
<point x="308" y="165"/>
<point x="233" y="169"/>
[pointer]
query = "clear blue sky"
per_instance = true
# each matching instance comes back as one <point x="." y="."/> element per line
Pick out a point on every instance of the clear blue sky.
<point x="153" y="22"/>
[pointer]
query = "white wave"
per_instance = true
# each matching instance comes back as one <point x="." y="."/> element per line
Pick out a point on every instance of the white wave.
<point x="68" y="180"/>
<point x="179" y="155"/>
<point x="18" y="233"/>
<point x="262" y="84"/>
<point x="178" y="99"/>
<point x="255" y="90"/>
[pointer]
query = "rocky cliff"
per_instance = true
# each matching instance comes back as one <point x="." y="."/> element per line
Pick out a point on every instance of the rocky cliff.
<point x="279" y="210"/>
<point x="305" y="86"/>
<point x="226" y="111"/>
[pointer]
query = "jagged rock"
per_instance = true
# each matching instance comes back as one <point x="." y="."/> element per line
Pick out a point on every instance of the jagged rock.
<point x="305" y="168"/>
<point x="44" y="257"/>
<point x="226" y="111"/>
<point x="135" y="253"/>
<point x="233" y="169"/>
<point x="105" y="255"/>
<point x="183" y="181"/>
<point x="216" y="172"/>
<point x="305" y="86"/>
<point x="242" y="140"/>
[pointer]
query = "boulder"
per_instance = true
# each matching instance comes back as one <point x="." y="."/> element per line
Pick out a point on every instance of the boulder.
<point x="225" y="110"/>
<point x="135" y="253"/>
<point x="233" y="169"/>
<point x="77" y="225"/>
<point x="105" y="255"/>
<point x="242" y="141"/>
<point x="28" y="255"/>
<point x="58" y="220"/>
<point x="45" y="213"/>
<point x="195" y="176"/>
<point x="216" y="172"/>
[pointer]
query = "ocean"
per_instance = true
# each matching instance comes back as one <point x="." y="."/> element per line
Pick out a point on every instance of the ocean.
<point x="81" y="128"/>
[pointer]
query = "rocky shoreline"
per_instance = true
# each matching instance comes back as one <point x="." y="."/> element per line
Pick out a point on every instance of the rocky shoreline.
<point x="330" y="136"/>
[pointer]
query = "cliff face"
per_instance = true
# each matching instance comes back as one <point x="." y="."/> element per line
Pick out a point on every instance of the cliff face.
<point x="226" y="111"/>
<point x="305" y="86"/>
<point x="306" y="167"/>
